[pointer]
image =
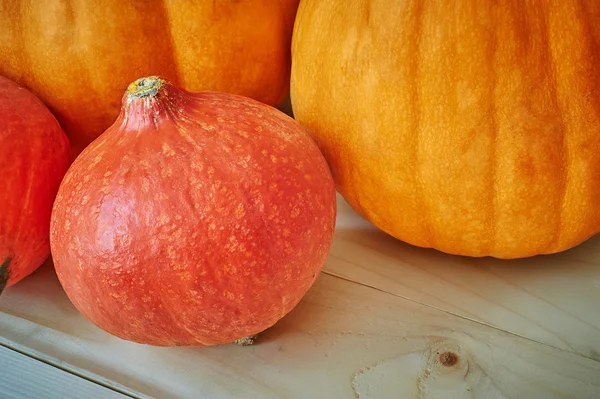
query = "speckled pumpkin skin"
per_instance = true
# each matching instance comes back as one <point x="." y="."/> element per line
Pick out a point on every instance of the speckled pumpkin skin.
<point x="472" y="127"/>
<point x="196" y="219"/>
<point x="34" y="156"/>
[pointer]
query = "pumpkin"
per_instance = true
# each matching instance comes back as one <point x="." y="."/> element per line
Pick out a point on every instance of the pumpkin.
<point x="78" y="56"/>
<point x="470" y="127"/>
<point x="195" y="219"/>
<point x="34" y="157"/>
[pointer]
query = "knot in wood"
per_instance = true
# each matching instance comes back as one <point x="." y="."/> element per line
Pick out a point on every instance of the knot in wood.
<point x="448" y="359"/>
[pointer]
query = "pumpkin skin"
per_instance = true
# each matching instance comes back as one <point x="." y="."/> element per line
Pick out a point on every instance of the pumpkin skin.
<point x="34" y="157"/>
<point x="196" y="219"/>
<point x="79" y="56"/>
<point x="470" y="127"/>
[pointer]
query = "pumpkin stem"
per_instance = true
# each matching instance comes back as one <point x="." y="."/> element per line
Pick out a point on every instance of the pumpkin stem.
<point x="4" y="273"/>
<point x="246" y="341"/>
<point x="144" y="87"/>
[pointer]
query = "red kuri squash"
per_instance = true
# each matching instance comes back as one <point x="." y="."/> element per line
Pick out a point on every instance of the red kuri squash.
<point x="196" y="219"/>
<point x="34" y="156"/>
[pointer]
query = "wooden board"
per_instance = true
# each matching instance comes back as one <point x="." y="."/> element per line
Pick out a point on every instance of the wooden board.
<point x="551" y="299"/>
<point x="26" y="377"/>
<point x="384" y="320"/>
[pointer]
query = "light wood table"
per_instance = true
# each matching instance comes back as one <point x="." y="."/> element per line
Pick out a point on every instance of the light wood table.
<point x="384" y="320"/>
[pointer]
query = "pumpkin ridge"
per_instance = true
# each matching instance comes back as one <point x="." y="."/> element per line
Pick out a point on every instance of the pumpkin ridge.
<point x="550" y="71"/>
<point x="85" y="79"/>
<point x="417" y="105"/>
<point x="69" y="12"/>
<point x="367" y="14"/>
<point x="25" y="68"/>
<point x="494" y="131"/>
<point x="175" y="74"/>
<point x="586" y="11"/>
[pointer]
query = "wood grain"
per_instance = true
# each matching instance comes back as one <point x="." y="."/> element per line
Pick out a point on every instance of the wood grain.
<point x="24" y="377"/>
<point x="344" y="340"/>
<point x="552" y="299"/>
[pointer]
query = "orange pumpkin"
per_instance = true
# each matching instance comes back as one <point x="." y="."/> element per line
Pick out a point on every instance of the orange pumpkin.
<point x="471" y="127"/>
<point x="78" y="56"/>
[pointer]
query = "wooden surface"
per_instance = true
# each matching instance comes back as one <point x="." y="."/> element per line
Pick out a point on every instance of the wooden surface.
<point x="44" y="380"/>
<point x="384" y="320"/>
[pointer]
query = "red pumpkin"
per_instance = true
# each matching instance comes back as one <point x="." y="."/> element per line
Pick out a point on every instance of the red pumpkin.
<point x="195" y="219"/>
<point x="34" y="156"/>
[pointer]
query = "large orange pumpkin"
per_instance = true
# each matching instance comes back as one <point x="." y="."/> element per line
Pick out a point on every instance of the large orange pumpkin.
<point x="78" y="56"/>
<point x="469" y="126"/>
